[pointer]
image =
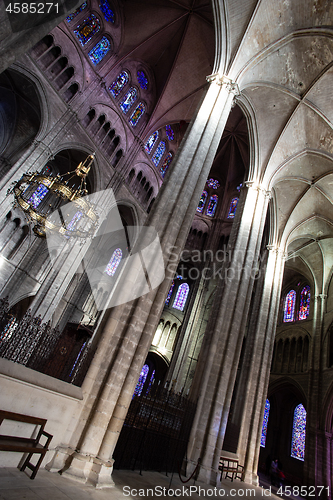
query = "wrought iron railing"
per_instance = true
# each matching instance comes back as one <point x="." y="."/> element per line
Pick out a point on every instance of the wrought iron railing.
<point x="36" y="345"/>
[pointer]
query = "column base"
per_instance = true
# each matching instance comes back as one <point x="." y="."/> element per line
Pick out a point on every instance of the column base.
<point x="251" y="478"/>
<point x="90" y="470"/>
<point x="60" y="459"/>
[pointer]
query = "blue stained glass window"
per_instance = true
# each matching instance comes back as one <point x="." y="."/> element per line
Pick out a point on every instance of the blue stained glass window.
<point x="166" y="163"/>
<point x="151" y="142"/>
<point x="264" y="424"/>
<point x="213" y="183"/>
<point x="99" y="51"/>
<point x="298" y="435"/>
<point x="169" y="132"/>
<point x="150" y="382"/>
<point x="136" y="115"/>
<point x="143" y="80"/>
<point x="114" y="262"/>
<point x="170" y="293"/>
<point x="211" y="208"/>
<point x="128" y="100"/>
<point x="119" y="84"/>
<point x="289" y="306"/>
<point x="232" y="208"/>
<point x="141" y="381"/>
<point x="159" y="152"/>
<point x="304" y="307"/>
<point x="181" y="296"/>
<point x="38" y="195"/>
<point x="107" y="11"/>
<point x="87" y="29"/>
<point x="202" y="201"/>
<point x="77" y="216"/>
<point x="76" y="12"/>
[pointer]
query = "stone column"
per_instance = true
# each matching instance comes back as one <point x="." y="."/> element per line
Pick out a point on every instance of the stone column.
<point x="314" y="447"/>
<point x="258" y="370"/>
<point x="222" y="357"/>
<point x="128" y="333"/>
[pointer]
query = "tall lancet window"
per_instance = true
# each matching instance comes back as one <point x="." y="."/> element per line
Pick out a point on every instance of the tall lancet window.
<point x="137" y="113"/>
<point x="119" y="83"/>
<point x="167" y="300"/>
<point x="232" y="208"/>
<point x="202" y="202"/>
<point x="128" y="100"/>
<point x="114" y="262"/>
<point x="211" y="208"/>
<point x="166" y="163"/>
<point x="159" y="152"/>
<point x="181" y="297"/>
<point x="141" y="382"/>
<point x="264" y="424"/>
<point x="87" y="29"/>
<point x="289" y="306"/>
<point x="99" y="51"/>
<point x="151" y="142"/>
<point x="304" y="306"/>
<point x="298" y="435"/>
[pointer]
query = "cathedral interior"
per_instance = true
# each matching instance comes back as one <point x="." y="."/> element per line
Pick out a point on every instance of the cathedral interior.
<point x="209" y="137"/>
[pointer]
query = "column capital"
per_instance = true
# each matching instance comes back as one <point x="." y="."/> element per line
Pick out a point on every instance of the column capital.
<point x="321" y="297"/>
<point x="276" y="249"/>
<point x="254" y="185"/>
<point x="219" y="79"/>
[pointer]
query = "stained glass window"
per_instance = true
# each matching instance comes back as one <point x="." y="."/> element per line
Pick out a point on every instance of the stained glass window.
<point x="119" y="84"/>
<point x="232" y="208"/>
<point x="99" y="51"/>
<point x="289" y="306"/>
<point x="170" y="292"/>
<point x="159" y="152"/>
<point x="202" y="201"/>
<point x="87" y="29"/>
<point x="213" y="183"/>
<point x="169" y="132"/>
<point x="151" y="142"/>
<point x="181" y="296"/>
<point x="107" y="11"/>
<point x="150" y="382"/>
<point x="128" y="100"/>
<point x="76" y="12"/>
<point x="298" y="435"/>
<point x="142" y="79"/>
<point x="114" y="262"/>
<point x="211" y="208"/>
<point x="136" y="115"/>
<point x="304" y="307"/>
<point x="77" y="216"/>
<point x="264" y="424"/>
<point x="141" y="381"/>
<point x="38" y="195"/>
<point x="166" y="163"/>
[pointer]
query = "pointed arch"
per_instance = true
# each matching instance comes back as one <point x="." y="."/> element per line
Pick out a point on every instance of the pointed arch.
<point x="298" y="434"/>
<point x="181" y="297"/>
<point x="289" y="306"/>
<point x="114" y="262"/>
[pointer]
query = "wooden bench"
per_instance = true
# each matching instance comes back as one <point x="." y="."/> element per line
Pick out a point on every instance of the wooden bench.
<point x="23" y="444"/>
<point x="231" y="467"/>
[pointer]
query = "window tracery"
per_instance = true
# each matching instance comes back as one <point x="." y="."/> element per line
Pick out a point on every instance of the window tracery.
<point x="166" y="163"/>
<point x="137" y="113"/>
<point x="202" y="202"/>
<point x="151" y="142"/>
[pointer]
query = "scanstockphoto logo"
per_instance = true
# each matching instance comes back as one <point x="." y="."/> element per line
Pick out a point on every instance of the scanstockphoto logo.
<point x="28" y="14"/>
<point x="121" y="262"/>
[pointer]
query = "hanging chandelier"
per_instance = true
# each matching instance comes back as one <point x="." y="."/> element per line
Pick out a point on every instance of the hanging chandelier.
<point x="51" y="204"/>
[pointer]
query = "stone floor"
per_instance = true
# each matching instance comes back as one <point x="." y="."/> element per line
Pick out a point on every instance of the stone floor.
<point x="128" y="484"/>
